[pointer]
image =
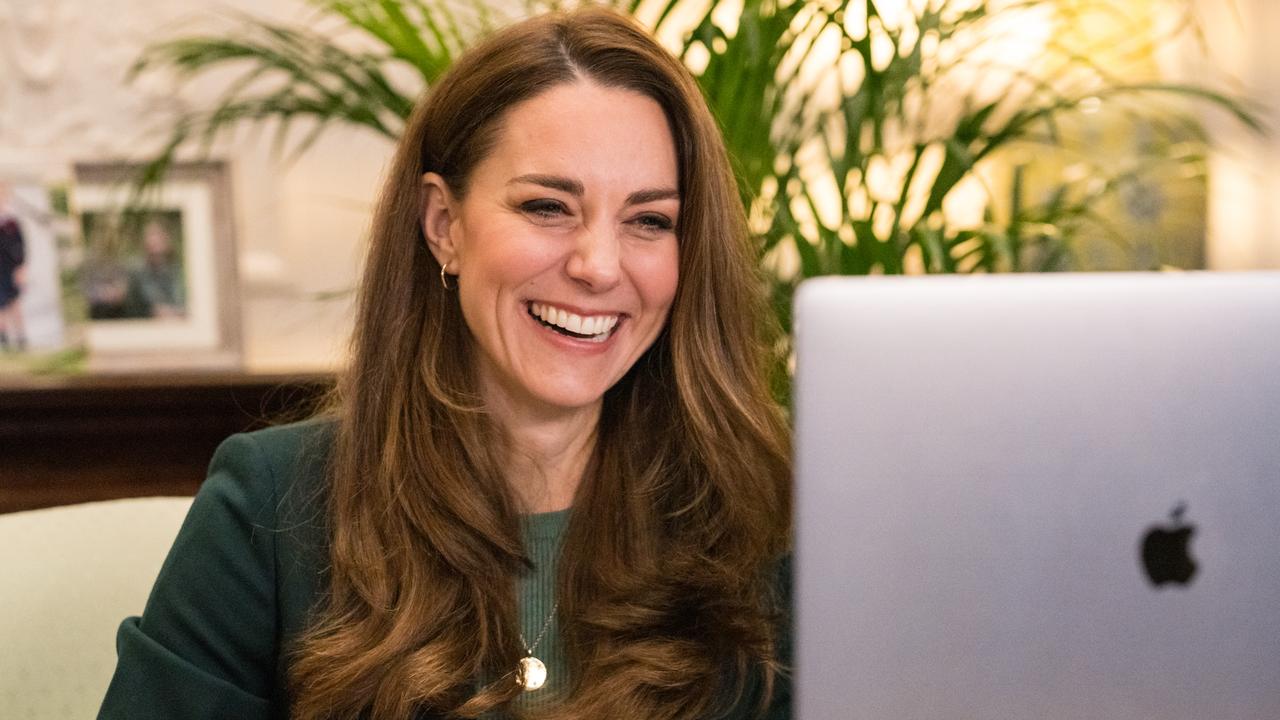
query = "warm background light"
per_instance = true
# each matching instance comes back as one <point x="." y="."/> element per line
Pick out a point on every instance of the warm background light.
<point x="300" y="224"/>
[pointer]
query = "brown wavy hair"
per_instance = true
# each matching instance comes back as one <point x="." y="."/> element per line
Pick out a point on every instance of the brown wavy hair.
<point x="665" y="582"/>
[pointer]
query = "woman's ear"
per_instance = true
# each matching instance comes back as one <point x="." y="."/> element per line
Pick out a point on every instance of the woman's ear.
<point x="439" y="210"/>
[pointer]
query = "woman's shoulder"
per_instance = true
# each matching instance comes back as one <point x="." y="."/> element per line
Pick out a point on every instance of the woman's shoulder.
<point x="271" y="485"/>
<point x="289" y="452"/>
<point x="281" y="467"/>
<point x="278" y="475"/>
<point x="240" y="579"/>
<point x="268" y="487"/>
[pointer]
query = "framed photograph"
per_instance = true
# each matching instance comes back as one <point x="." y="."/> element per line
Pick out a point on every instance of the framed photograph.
<point x="157" y="277"/>
<point x="36" y="232"/>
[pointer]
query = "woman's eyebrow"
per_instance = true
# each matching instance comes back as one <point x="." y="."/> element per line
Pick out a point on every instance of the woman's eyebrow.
<point x="643" y="196"/>
<point x="555" y="182"/>
<point x="576" y="189"/>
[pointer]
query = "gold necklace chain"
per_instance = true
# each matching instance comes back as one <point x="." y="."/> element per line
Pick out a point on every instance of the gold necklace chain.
<point x="532" y="672"/>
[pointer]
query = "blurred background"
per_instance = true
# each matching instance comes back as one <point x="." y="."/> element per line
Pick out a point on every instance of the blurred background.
<point x="1180" y="181"/>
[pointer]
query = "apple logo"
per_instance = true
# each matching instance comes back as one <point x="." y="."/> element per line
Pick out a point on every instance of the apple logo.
<point x="1165" y="555"/>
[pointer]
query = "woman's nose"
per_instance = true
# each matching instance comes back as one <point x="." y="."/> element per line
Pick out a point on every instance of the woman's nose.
<point x="595" y="261"/>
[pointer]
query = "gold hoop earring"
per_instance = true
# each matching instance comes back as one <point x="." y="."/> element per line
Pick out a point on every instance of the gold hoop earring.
<point x="444" y="279"/>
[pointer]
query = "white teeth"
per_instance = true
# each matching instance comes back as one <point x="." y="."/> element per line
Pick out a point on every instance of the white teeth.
<point x="597" y="326"/>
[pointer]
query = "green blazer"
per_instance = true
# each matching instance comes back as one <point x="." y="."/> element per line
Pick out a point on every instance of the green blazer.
<point x="237" y="587"/>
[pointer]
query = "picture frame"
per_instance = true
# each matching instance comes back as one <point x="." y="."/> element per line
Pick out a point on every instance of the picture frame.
<point x="36" y="235"/>
<point x="157" y="278"/>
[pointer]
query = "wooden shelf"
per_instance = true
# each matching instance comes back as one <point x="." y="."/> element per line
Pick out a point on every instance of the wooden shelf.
<point x="75" y="439"/>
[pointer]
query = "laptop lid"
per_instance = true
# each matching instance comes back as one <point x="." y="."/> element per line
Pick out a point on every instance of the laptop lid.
<point x="1049" y="496"/>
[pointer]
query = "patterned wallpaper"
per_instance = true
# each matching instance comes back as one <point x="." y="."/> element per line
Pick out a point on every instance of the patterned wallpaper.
<point x="61" y="68"/>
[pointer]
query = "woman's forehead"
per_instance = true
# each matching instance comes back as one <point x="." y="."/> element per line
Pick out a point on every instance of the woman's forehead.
<point x="588" y="133"/>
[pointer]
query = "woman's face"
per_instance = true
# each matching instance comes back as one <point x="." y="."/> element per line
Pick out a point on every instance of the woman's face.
<point x="564" y="246"/>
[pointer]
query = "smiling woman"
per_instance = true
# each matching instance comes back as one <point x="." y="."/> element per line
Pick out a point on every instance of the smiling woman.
<point x="552" y="483"/>
<point x="573" y="212"/>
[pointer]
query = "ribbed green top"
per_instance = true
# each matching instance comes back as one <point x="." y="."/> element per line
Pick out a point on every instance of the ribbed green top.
<point x="542" y="535"/>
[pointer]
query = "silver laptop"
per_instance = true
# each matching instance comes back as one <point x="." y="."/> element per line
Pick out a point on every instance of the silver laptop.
<point x="1050" y="496"/>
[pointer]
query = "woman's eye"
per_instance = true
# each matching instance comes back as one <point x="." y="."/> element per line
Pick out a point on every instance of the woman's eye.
<point x="655" y="222"/>
<point x="544" y="208"/>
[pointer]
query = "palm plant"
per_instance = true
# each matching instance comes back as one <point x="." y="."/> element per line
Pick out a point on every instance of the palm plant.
<point x="855" y="125"/>
<point x="850" y="152"/>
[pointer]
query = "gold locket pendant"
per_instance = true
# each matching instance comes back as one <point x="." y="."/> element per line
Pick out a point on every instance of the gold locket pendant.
<point x="533" y="673"/>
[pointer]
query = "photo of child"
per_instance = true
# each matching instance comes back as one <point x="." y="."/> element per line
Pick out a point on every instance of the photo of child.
<point x="13" y="257"/>
<point x="33" y="221"/>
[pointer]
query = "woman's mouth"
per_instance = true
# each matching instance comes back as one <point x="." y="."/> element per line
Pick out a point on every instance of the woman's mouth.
<point x="592" y="328"/>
